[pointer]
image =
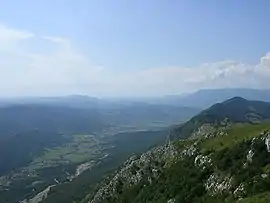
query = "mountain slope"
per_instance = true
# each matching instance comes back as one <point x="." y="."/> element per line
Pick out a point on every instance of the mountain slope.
<point x="196" y="171"/>
<point x="229" y="164"/>
<point x="235" y="110"/>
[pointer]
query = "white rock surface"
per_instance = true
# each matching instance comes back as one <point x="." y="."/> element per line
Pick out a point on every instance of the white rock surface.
<point x="267" y="142"/>
<point x="250" y="155"/>
<point x="217" y="184"/>
<point x="202" y="161"/>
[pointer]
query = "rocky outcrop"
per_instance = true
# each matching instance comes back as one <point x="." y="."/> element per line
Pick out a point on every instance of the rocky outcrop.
<point x="202" y="161"/>
<point x="83" y="167"/>
<point x="240" y="191"/>
<point x="171" y="201"/>
<point x="145" y="167"/>
<point x="216" y="183"/>
<point x="267" y="141"/>
<point x="250" y="155"/>
<point x="190" y="150"/>
<point x="40" y="196"/>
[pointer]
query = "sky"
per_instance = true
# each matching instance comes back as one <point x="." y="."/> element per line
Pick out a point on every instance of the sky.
<point x="118" y="48"/>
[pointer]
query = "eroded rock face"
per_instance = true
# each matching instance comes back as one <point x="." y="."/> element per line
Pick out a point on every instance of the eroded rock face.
<point x="250" y="155"/>
<point x="190" y="151"/>
<point x="206" y="131"/>
<point x="40" y="196"/>
<point x="171" y="201"/>
<point x="202" y="161"/>
<point x="146" y="167"/>
<point x="240" y="191"/>
<point x="217" y="184"/>
<point x="83" y="167"/>
<point x="267" y="141"/>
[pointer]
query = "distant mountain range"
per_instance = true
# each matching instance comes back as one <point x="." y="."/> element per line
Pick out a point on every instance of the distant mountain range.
<point x="201" y="99"/>
<point x="208" y="97"/>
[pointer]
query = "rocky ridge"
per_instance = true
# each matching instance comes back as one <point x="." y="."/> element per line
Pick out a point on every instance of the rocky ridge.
<point x="147" y="167"/>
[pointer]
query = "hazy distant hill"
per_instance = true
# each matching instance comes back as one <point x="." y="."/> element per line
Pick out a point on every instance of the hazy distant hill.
<point x="206" y="97"/>
<point x="76" y="101"/>
<point x="28" y="128"/>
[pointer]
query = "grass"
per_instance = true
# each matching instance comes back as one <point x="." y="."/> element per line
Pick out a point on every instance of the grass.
<point x="236" y="134"/>
<point x="260" y="198"/>
<point x="266" y="169"/>
<point x="181" y="144"/>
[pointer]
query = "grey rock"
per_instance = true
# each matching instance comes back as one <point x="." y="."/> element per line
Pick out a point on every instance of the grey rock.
<point x="240" y="191"/>
<point x="250" y="155"/>
<point x="217" y="184"/>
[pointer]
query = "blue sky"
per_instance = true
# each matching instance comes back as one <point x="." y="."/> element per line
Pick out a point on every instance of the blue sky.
<point x="152" y="47"/>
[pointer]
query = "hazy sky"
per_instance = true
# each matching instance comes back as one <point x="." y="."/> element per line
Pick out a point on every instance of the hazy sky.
<point x="132" y="47"/>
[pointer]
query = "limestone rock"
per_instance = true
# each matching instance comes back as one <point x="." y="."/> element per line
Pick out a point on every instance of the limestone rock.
<point x="218" y="184"/>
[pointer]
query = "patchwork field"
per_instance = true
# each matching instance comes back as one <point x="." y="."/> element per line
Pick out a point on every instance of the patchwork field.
<point x="60" y="165"/>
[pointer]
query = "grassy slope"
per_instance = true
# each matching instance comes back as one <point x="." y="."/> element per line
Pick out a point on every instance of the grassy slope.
<point x="184" y="181"/>
<point x="260" y="198"/>
<point x="236" y="134"/>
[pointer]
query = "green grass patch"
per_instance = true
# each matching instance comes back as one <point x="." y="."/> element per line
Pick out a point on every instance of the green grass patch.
<point x="181" y="144"/>
<point x="236" y="134"/>
<point x="266" y="169"/>
<point x="260" y="198"/>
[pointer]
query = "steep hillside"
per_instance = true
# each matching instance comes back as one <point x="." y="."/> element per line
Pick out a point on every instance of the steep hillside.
<point x="235" y="110"/>
<point x="227" y="160"/>
<point x="227" y="167"/>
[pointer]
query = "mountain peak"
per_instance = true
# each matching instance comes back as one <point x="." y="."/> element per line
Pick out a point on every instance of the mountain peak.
<point x="234" y="110"/>
<point x="235" y="99"/>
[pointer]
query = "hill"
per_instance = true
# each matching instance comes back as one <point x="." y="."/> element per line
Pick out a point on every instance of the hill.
<point x="16" y="119"/>
<point x="234" y="110"/>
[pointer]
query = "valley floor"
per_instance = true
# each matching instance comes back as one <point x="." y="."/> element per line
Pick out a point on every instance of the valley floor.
<point x="85" y="158"/>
